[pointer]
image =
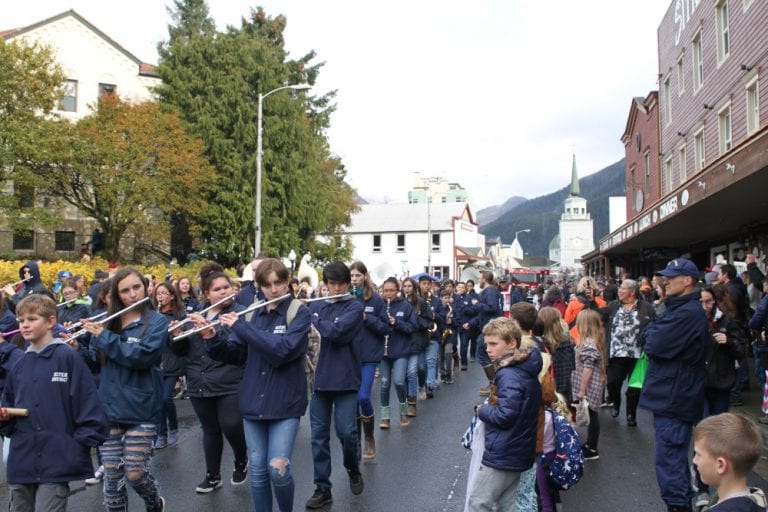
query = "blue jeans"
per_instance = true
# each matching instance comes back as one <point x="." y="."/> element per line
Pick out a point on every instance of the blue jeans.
<point x="126" y="455"/>
<point x="742" y="380"/>
<point x="169" y="407"/>
<point x="417" y="366"/>
<point x="673" y="439"/>
<point x="366" y="385"/>
<point x="463" y="341"/>
<point x="482" y="355"/>
<point x="342" y="405"/>
<point x="270" y="447"/>
<point x="393" y="372"/>
<point x="759" y="370"/>
<point x="431" y="357"/>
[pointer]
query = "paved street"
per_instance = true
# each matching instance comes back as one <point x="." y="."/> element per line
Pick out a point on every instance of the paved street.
<point x="420" y="468"/>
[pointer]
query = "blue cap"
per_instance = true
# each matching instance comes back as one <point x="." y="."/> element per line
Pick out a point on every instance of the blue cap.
<point x="680" y="267"/>
<point x="64" y="273"/>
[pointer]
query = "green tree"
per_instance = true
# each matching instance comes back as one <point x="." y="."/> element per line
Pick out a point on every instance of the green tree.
<point x="213" y="80"/>
<point x="30" y="87"/>
<point x="129" y="166"/>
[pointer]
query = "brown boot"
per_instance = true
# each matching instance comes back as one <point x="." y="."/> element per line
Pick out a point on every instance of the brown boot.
<point x="384" y="424"/>
<point x="412" y="406"/>
<point x="490" y="373"/>
<point x="369" y="452"/>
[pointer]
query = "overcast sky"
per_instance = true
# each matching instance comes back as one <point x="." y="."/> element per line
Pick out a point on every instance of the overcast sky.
<point x="493" y="94"/>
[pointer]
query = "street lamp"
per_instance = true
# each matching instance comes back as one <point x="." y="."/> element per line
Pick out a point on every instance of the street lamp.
<point x="522" y="231"/>
<point x="259" y="154"/>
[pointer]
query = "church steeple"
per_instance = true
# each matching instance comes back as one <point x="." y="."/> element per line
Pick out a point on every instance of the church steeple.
<point x="575" y="191"/>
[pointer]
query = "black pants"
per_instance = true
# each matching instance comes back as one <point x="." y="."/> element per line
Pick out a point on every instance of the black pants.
<point x="593" y="431"/>
<point x="220" y="417"/>
<point x="619" y="369"/>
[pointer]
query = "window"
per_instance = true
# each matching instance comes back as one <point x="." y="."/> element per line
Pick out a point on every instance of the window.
<point x="400" y="243"/>
<point x="698" y="142"/>
<point x="668" y="174"/>
<point x="65" y="240"/>
<point x="723" y="36"/>
<point x="376" y="243"/>
<point x="667" y="102"/>
<point x="68" y="103"/>
<point x="680" y="75"/>
<point x="107" y="89"/>
<point x="23" y="240"/>
<point x="725" y="128"/>
<point x="753" y="106"/>
<point x="435" y="242"/>
<point x="647" y="164"/>
<point x="682" y="163"/>
<point x="444" y="199"/>
<point x="698" y="61"/>
<point x="25" y="196"/>
<point x="632" y="179"/>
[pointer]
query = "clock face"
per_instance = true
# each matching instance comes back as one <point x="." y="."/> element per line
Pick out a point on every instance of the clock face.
<point x="576" y="241"/>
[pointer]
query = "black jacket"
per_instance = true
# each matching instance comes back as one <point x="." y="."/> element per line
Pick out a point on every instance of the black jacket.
<point x="721" y="359"/>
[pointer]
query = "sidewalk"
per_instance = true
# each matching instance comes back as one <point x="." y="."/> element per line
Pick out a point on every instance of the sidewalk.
<point x="753" y="401"/>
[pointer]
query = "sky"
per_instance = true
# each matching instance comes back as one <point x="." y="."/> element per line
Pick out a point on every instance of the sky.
<point x="496" y="95"/>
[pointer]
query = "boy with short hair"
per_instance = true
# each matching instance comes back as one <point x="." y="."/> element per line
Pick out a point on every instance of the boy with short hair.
<point x="510" y="417"/>
<point x="51" y="446"/>
<point x="726" y="447"/>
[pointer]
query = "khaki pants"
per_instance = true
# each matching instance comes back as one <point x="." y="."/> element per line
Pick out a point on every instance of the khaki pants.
<point x="39" y="497"/>
<point x="493" y="487"/>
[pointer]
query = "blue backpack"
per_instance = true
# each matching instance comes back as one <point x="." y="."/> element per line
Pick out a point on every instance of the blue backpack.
<point x="567" y="467"/>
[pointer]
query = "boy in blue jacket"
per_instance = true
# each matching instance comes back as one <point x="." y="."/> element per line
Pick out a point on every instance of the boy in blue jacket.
<point x="50" y="447"/>
<point x="510" y="417"/>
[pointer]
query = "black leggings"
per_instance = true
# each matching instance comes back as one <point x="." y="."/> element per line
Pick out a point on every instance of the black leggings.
<point x="220" y="415"/>
<point x="593" y="431"/>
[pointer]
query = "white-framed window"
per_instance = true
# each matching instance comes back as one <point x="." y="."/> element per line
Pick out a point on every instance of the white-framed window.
<point x="753" y="105"/>
<point x="435" y="242"/>
<point x="668" y="174"/>
<point x="376" y="243"/>
<point x="698" y="61"/>
<point x="68" y="102"/>
<point x="667" y="102"/>
<point x="400" y="242"/>
<point x="682" y="163"/>
<point x="647" y="165"/>
<point x="698" y="148"/>
<point x="723" y="31"/>
<point x="725" y="128"/>
<point x="680" y="74"/>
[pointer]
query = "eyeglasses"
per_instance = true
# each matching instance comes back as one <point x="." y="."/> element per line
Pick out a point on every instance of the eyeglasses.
<point x="162" y="292"/>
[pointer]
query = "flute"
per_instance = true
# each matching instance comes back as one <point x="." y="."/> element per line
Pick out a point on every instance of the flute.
<point x="94" y="317"/>
<point x="225" y="299"/>
<point x="110" y="317"/>
<point x="17" y="283"/>
<point x="386" y="336"/>
<point x="70" y="301"/>
<point x="247" y="310"/>
<point x="325" y="298"/>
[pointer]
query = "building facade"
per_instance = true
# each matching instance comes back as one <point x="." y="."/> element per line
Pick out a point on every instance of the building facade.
<point x="641" y="154"/>
<point x="439" y="190"/>
<point x="576" y="233"/>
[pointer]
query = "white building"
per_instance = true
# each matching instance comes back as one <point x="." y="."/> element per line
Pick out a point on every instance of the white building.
<point x="405" y="239"/>
<point x="94" y="64"/>
<point x="576" y="234"/>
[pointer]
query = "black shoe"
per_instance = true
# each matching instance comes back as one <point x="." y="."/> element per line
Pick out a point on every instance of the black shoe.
<point x="589" y="453"/>
<point x="356" y="484"/>
<point x="320" y="498"/>
<point x="240" y="474"/>
<point x="463" y="367"/>
<point x="679" y="508"/>
<point x="631" y="421"/>
<point x="615" y="410"/>
<point x="209" y="484"/>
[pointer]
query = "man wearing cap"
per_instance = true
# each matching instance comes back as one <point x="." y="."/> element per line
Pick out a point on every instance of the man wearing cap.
<point x="674" y="384"/>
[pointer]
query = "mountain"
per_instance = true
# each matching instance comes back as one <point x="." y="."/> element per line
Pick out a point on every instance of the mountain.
<point x="491" y="213"/>
<point x="542" y="214"/>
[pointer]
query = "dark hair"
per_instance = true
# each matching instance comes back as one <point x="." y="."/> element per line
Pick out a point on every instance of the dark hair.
<point x="488" y="276"/>
<point x="208" y="269"/>
<point x="611" y="292"/>
<point x="192" y="292"/>
<point x="728" y="270"/>
<point x="368" y="289"/>
<point x="268" y="266"/>
<point x="413" y="297"/>
<point x="116" y="304"/>
<point x="393" y="281"/>
<point x="69" y="282"/>
<point x="207" y="282"/>
<point x="336" y="271"/>
<point x="176" y="303"/>
<point x="524" y="313"/>
<point x="722" y="298"/>
<point x="103" y="293"/>
<point x="469" y="281"/>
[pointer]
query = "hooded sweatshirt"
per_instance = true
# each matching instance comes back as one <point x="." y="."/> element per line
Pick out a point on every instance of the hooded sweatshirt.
<point x="34" y="285"/>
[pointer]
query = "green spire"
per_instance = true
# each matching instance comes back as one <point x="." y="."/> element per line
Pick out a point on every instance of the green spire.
<point x="574" y="179"/>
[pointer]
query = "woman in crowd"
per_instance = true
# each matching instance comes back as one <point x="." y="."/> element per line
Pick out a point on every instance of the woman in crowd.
<point x="188" y="295"/>
<point x="375" y="327"/>
<point x="274" y="343"/>
<point x="555" y="334"/>
<point x="586" y="297"/>
<point x="130" y="350"/>
<point x="589" y="375"/>
<point x="416" y="373"/>
<point x="213" y="385"/>
<point x="71" y="312"/>
<point x="169" y="304"/>
<point x="397" y="349"/>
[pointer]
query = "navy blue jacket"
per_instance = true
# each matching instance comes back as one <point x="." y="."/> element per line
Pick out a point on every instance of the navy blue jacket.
<point x="399" y="343"/>
<point x="758" y="320"/>
<point x="172" y="365"/>
<point x="676" y="345"/>
<point x="206" y="376"/>
<point x="249" y="293"/>
<point x="510" y="425"/>
<point x="375" y="327"/>
<point x="9" y="356"/>
<point x="274" y="385"/>
<point x="440" y="312"/>
<point x="65" y="419"/>
<point x="487" y="307"/>
<point x="8" y="321"/>
<point x="339" y="322"/>
<point x="72" y="312"/>
<point x="131" y="383"/>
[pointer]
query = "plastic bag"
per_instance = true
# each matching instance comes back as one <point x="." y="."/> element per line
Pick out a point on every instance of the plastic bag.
<point x="582" y="413"/>
<point x="638" y="374"/>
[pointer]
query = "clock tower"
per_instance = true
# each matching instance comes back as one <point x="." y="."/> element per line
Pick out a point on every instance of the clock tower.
<point x="576" y="229"/>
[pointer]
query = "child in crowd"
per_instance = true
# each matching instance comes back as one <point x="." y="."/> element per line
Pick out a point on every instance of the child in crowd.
<point x="589" y="375"/>
<point x="726" y="447"/>
<point x="51" y="446"/>
<point x="510" y="417"/>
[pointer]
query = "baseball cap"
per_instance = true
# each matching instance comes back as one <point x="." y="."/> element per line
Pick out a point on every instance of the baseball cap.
<point x="680" y="267"/>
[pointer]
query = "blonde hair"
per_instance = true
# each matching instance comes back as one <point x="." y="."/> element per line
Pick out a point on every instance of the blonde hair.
<point x="503" y="328"/>
<point x="583" y="285"/>
<point x="37" y="304"/>
<point x="588" y="325"/>
<point x="733" y="437"/>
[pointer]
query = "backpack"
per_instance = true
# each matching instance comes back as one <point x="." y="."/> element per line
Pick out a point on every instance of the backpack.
<point x="313" y="349"/>
<point x="567" y="467"/>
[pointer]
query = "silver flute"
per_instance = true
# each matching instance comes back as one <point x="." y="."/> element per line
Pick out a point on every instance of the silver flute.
<point x="107" y="319"/>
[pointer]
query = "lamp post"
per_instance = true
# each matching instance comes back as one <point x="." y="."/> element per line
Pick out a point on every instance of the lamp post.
<point x="522" y="231"/>
<point x="259" y="154"/>
<point x="513" y="243"/>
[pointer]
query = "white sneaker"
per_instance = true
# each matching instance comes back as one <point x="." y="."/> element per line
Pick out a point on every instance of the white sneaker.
<point x="702" y="500"/>
<point x="98" y="476"/>
<point x="422" y="393"/>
